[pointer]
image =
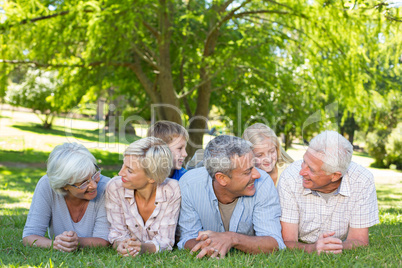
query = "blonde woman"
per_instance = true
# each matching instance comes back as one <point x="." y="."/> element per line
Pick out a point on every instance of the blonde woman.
<point x="267" y="149"/>
<point x="142" y="204"/>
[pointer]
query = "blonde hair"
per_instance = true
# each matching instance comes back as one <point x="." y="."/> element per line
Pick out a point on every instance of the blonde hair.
<point x="154" y="157"/>
<point x="258" y="132"/>
<point x="167" y="131"/>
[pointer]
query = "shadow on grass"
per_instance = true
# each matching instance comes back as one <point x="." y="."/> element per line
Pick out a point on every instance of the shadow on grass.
<point x="28" y="156"/>
<point x="104" y="158"/>
<point x="20" y="179"/>
<point x="83" y="134"/>
<point x="6" y="199"/>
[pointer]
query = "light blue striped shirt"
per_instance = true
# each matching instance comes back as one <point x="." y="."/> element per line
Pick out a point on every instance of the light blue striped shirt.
<point x="253" y="215"/>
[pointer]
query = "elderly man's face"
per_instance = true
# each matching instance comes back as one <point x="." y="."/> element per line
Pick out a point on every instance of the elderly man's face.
<point x="314" y="177"/>
<point x="243" y="176"/>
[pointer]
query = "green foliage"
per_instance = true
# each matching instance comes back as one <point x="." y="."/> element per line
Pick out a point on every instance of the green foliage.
<point x="393" y="148"/>
<point x="41" y="92"/>
<point x="376" y="146"/>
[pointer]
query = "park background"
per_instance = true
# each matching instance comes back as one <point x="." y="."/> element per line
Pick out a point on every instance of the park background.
<point x="100" y="72"/>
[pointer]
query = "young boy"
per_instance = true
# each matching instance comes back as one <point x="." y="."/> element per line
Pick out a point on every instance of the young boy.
<point x="176" y="138"/>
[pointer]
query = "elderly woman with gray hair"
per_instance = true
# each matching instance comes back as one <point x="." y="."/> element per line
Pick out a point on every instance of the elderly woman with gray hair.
<point x="142" y="203"/>
<point x="68" y="202"/>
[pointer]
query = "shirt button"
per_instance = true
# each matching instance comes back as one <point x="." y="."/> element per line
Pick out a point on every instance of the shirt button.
<point x="149" y="228"/>
<point x="136" y="225"/>
<point x="156" y="203"/>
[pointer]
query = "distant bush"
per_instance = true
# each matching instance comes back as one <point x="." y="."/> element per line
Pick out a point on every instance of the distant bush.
<point x="393" y="147"/>
<point x="385" y="146"/>
<point x="376" y="146"/>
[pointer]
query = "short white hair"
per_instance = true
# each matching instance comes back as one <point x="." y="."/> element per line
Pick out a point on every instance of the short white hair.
<point x="335" y="150"/>
<point x="154" y="157"/>
<point x="69" y="163"/>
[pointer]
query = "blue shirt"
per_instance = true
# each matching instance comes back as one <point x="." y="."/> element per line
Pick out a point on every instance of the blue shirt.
<point x="253" y="215"/>
<point x="178" y="173"/>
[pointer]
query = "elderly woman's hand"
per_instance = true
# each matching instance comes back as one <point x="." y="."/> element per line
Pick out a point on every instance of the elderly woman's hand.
<point x="66" y="242"/>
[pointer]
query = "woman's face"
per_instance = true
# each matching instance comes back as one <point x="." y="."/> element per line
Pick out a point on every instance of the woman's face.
<point x="133" y="175"/>
<point x="266" y="155"/>
<point x="86" y="189"/>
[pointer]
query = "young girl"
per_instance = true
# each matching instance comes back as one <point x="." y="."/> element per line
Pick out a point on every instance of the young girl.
<point x="267" y="149"/>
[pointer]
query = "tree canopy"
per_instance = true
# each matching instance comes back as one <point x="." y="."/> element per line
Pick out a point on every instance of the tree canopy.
<point x="282" y="60"/>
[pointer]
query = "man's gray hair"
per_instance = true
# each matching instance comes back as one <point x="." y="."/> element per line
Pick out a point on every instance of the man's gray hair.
<point x="69" y="163"/>
<point x="335" y="150"/>
<point x="220" y="152"/>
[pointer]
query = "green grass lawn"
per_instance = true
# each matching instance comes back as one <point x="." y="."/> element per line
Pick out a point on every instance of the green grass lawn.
<point x="17" y="186"/>
<point x="27" y="164"/>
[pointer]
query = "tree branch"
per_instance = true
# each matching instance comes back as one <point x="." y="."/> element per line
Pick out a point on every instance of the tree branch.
<point x="151" y="29"/>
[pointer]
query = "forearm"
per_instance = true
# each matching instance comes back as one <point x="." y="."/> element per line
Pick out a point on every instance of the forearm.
<point x="92" y="242"/>
<point x="353" y="243"/>
<point x="299" y="245"/>
<point x="254" y="244"/>
<point x="37" y="241"/>
<point x="147" y="248"/>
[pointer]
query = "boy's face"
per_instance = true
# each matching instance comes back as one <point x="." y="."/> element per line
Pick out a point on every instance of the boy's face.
<point x="178" y="148"/>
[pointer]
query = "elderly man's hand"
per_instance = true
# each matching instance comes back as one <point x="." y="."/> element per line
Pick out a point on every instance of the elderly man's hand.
<point x="328" y="244"/>
<point x="66" y="242"/>
<point x="213" y="244"/>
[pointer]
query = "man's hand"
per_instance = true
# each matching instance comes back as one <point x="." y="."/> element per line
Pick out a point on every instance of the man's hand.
<point x="213" y="244"/>
<point x="66" y="242"/>
<point x="328" y="244"/>
<point x="129" y="247"/>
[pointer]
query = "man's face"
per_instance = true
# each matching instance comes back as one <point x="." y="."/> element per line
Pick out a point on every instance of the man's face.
<point x="243" y="176"/>
<point x="314" y="177"/>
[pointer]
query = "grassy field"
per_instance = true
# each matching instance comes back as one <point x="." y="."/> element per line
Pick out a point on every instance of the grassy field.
<point x="23" y="165"/>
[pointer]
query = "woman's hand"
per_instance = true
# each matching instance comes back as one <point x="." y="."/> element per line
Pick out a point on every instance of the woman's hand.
<point x="66" y="242"/>
<point x="129" y="247"/>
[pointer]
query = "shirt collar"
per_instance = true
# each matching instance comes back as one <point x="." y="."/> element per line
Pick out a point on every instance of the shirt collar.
<point x="211" y="191"/>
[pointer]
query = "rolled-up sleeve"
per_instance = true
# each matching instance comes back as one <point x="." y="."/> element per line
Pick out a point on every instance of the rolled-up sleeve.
<point x="288" y="202"/>
<point x="267" y="212"/>
<point x="189" y="221"/>
<point x="118" y="230"/>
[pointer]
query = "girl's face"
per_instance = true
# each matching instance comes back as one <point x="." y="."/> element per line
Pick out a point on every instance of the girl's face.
<point x="266" y="155"/>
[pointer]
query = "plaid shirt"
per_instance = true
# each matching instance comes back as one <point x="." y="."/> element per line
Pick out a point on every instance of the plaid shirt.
<point x="126" y="222"/>
<point x="353" y="204"/>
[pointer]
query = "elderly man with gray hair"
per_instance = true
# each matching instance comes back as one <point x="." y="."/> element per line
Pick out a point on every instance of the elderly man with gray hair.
<point x="229" y="203"/>
<point x="328" y="202"/>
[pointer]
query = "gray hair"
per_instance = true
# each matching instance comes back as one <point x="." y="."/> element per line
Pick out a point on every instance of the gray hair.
<point x="336" y="151"/>
<point x="154" y="157"/>
<point x="69" y="163"/>
<point x="221" y="150"/>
